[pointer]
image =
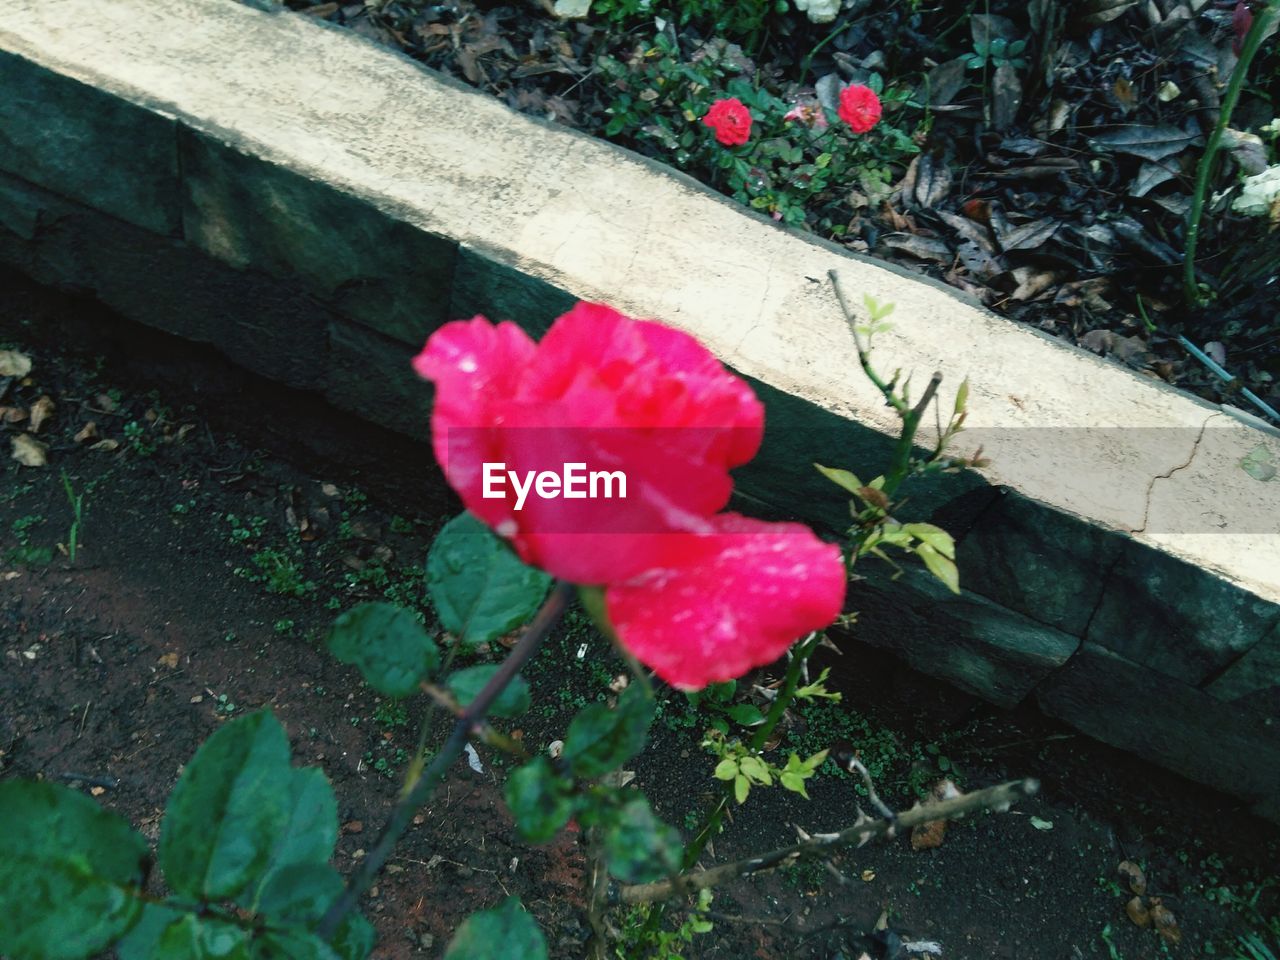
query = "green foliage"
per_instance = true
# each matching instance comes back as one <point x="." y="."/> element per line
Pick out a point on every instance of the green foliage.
<point x="540" y="800"/>
<point x="601" y="739"/>
<point x="388" y="645"/>
<point x="799" y="174"/>
<point x="241" y="823"/>
<point x="997" y="52"/>
<point x="743" y="768"/>
<point x="279" y="572"/>
<point x="638" y="846"/>
<point x="505" y="932"/>
<point x="228" y="807"/>
<point x="466" y="684"/>
<point x="741" y="21"/>
<point x="479" y="588"/>
<point x="68" y="870"/>
<point x="640" y="938"/>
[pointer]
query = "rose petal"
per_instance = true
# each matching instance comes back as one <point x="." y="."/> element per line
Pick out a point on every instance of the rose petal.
<point x="730" y="601"/>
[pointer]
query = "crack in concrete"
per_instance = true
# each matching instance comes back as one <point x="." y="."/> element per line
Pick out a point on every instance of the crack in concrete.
<point x="1195" y="448"/>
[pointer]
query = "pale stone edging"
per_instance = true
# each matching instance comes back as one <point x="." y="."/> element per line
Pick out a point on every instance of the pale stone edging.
<point x="315" y="205"/>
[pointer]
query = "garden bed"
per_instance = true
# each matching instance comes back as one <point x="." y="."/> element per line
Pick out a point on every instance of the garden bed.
<point x="225" y="520"/>
<point x="1039" y="158"/>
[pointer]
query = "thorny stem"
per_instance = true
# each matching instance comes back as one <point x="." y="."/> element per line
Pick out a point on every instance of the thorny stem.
<point x="911" y="416"/>
<point x="408" y="803"/>
<point x="1252" y="41"/>
<point x="865" y="829"/>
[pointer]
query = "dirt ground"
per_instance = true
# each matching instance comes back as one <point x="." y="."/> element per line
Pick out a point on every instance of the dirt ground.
<point x="233" y="520"/>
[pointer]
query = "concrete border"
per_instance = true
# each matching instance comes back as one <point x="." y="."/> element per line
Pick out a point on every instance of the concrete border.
<point x="315" y="205"/>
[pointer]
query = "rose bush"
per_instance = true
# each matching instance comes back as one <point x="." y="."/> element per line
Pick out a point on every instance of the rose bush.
<point x="697" y="595"/>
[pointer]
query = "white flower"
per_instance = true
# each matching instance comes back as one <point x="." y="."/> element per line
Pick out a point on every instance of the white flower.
<point x="819" y="11"/>
<point x="1259" y="193"/>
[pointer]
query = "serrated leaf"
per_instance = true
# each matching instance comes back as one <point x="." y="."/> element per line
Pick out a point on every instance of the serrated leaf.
<point x="726" y="769"/>
<point x="66" y="869"/>
<point x="387" y="645"/>
<point x="600" y="739"/>
<point x="941" y="567"/>
<point x="479" y="588"/>
<point x="1146" y="141"/>
<point x="228" y="809"/>
<point x="755" y="769"/>
<point x="841" y="478"/>
<point x="506" y="932"/>
<point x="741" y="787"/>
<point x="540" y="800"/>
<point x="793" y="782"/>
<point x="639" y="847"/>
<point x="935" y="537"/>
<point x="466" y="684"/>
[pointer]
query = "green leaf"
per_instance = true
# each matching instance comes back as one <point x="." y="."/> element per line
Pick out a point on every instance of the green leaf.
<point x="388" y="645"/>
<point x="540" y="800"/>
<point x="746" y="714"/>
<point x="291" y="944"/>
<point x="841" y="478"/>
<point x="308" y="837"/>
<point x="755" y="769"/>
<point x="506" y="932"/>
<point x="726" y="769"/>
<point x="941" y="567"/>
<point x="741" y="787"/>
<point x="201" y="938"/>
<point x="66" y="869"/>
<point x="354" y="939"/>
<point x="600" y="739"/>
<point x="466" y="684"/>
<point x="793" y="782"/>
<point x="935" y="537"/>
<point x="228" y="809"/>
<point x="639" y="847"/>
<point x="300" y="891"/>
<point x="142" y="941"/>
<point x="478" y="586"/>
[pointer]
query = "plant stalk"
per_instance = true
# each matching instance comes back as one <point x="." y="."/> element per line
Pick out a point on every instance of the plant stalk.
<point x="408" y="803"/>
<point x="1252" y="42"/>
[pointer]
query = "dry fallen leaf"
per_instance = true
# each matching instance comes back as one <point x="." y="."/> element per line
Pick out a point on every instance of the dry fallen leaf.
<point x="88" y="432"/>
<point x="169" y="660"/>
<point x="1137" y="879"/>
<point x="41" y="411"/>
<point x="29" y="451"/>
<point x="1165" y="923"/>
<point x="1138" y="912"/>
<point x="14" y="364"/>
<point x="106" y="445"/>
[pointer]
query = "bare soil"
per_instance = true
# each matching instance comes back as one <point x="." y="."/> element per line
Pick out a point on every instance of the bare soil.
<point x="118" y="665"/>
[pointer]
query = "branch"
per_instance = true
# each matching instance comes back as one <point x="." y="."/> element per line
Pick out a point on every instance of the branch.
<point x="864" y="352"/>
<point x="864" y="829"/>
<point x="408" y="804"/>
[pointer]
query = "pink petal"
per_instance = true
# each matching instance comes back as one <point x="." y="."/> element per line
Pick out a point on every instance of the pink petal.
<point x="729" y="601"/>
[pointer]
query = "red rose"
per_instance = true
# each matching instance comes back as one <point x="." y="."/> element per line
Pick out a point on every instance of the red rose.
<point x="697" y="595"/>
<point x="730" y="120"/>
<point x="603" y="390"/>
<point x="859" y="107"/>
<point x="728" y="601"/>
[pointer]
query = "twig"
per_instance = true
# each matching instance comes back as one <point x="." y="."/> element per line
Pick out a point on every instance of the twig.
<point x="408" y="803"/>
<point x="864" y="351"/>
<point x="863" y="830"/>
